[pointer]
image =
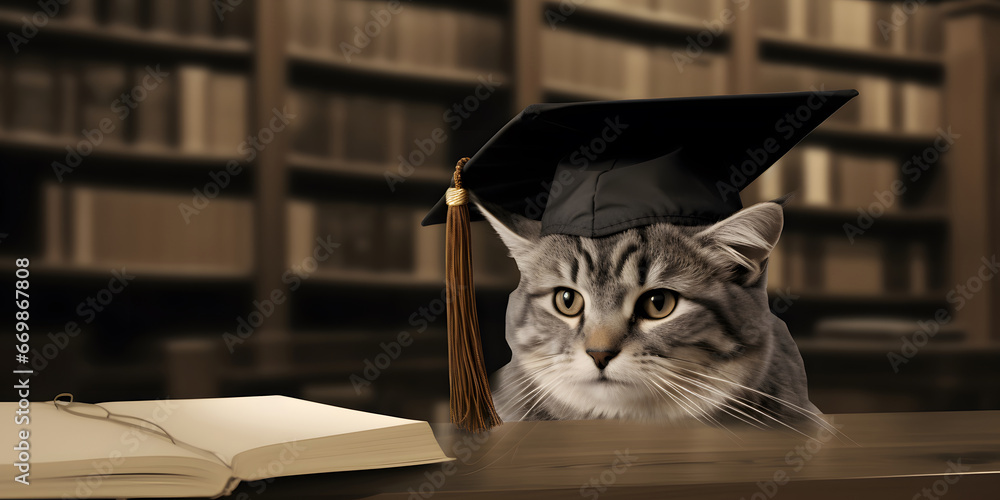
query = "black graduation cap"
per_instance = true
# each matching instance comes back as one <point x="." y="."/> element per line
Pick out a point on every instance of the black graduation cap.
<point x="597" y="168"/>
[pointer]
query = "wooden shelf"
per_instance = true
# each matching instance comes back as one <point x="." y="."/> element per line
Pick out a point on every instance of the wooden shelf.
<point x="313" y="372"/>
<point x="571" y="91"/>
<point x="780" y="46"/>
<point x="799" y="217"/>
<point x="397" y="279"/>
<point x="160" y="272"/>
<point x="852" y="347"/>
<point x="854" y="137"/>
<point x="54" y="145"/>
<point x="631" y="20"/>
<point x="888" y="299"/>
<point x="366" y="170"/>
<point x="116" y="37"/>
<point x="393" y="70"/>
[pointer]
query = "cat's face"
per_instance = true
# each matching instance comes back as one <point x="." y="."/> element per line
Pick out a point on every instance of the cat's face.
<point x="646" y="324"/>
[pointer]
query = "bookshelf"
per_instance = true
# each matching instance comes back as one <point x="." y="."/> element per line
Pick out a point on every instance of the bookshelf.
<point x="414" y="72"/>
<point x="781" y="46"/>
<point x="104" y="37"/>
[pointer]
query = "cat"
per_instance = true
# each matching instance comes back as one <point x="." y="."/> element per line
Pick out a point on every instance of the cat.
<point x="659" y="323"/>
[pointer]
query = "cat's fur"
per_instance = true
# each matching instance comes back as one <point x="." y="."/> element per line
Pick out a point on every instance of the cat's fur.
<point x="720" y="356"/>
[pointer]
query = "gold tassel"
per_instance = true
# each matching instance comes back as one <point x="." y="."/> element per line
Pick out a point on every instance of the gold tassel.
<point x="471" y="402"/>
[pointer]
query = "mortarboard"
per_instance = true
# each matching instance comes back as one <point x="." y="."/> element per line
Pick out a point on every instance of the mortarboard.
<point x="597" y="168"/>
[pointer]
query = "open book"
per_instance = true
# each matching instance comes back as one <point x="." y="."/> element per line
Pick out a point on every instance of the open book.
<point x="197" y="447"/>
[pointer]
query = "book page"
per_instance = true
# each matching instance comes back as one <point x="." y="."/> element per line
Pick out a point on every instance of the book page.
<point x="101" y="446"/>
<point x="229" y="426"/>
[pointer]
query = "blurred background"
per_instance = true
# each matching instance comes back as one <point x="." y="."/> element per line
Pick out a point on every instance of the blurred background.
<point x="223" y="198"/>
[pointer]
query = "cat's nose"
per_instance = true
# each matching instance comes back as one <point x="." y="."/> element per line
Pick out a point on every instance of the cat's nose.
<point x="602" y="358"/>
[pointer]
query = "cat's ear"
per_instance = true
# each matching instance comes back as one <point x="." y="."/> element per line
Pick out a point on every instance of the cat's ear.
<point x="519" y="233"/>
<point x="745" y="239"/>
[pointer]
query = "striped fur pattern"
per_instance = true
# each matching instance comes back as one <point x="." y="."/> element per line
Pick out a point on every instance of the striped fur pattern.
<point x="721" y="357"/>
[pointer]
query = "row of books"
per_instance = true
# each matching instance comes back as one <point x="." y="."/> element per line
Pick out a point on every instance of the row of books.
<point x="88" y="226"/>
<point x="406" y="34"/>
<point x="386" y="239"/>
<point x="174" y="17"/>
<point x="189" y="107"/>
<point x="884" y="104"/>
<point x="835" y="265"/>
<point x="367" y="128"/>
<point x="900" y="27"/>
<point x="589" y="63"/>
<point x="823" y="177"/>
<point x="883" y="328"/>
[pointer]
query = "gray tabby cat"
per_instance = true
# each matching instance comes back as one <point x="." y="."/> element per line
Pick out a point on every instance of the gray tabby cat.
<point x="657" y="323"/>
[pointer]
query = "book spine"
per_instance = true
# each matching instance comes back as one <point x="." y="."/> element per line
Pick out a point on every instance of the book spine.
<point x="112" y="226"/>
<point x="156" y="117"/>
<point x="773" y="16"/>
<point x="338" y="122"/>
<point x="33" y="85"/>
<point x="163" y="15"/>
<point x="876" y="110"/>
<point x="918" y="263"/>
<point x="331" y="224"/>
<point x="229" y="106"/>
<point x="80" y="11"/>
<point x="636" y="65"/>
<point x="197" y="17"/>
<point x="853" y="268"/>
<point x="851" y="23"/>
<point x="238" y="22"/>
<point x="397" y="236"/>
<point x="123" y="14"/>
<point x="419" y="131"/>
<point x="68" y="82"/>
<point x="54" y="203"/>
<point x="82" y="200"/>
<point x="776" y="263"/>
<point x="816" y="176"/>
<point x="370" y="113"/>
<point x="301" y="232"/>
<point x="192" y="105"/>
<point x="428" y="249"/>
<point x="797" y="18"/>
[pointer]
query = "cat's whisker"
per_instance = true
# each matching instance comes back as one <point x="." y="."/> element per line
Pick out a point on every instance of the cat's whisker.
<point x="527" y="376"/>
<point x="726" y="407"/>
<point x="736" y="399"/>
<point x="693" y="411"/>
<point x="545" y="391"/>
<point x="764" y="394"/>
<point x="724" y="394"/>
<point x="723" y="405"/>
<point x="766" y="414"/>
<point x="540" y="392"/>
<point x="728" y="379"/>
<point x="528" y="384"/>
<point x="716" y="369"/>
<point x="659" y="392"/>
<point x="711" y="403"/>
<point x="810" y="415"/>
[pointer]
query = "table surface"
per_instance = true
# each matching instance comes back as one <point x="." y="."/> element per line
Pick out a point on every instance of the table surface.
<point x="874" y="455"/>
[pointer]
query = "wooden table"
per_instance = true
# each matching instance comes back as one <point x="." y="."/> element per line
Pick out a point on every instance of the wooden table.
<point x="951" y="455"/>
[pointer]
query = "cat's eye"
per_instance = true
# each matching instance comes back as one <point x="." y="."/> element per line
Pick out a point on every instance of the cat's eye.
<point x="568" y="302"/>
<point x="656" y="304"/>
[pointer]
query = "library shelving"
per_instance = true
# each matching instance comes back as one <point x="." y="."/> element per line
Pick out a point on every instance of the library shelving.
<point x="488" y="60"/>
